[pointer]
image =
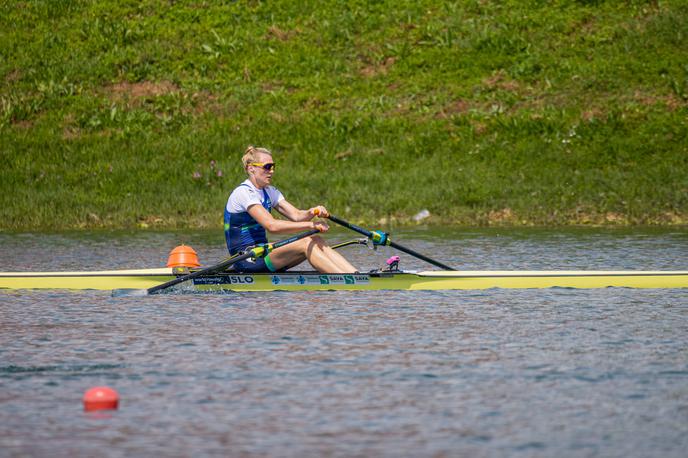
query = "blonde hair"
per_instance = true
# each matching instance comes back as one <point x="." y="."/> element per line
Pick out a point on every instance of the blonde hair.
<point x="251" y="155"/>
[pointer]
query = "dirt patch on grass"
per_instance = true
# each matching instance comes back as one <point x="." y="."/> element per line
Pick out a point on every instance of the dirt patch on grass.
<point x="23" y="124"/>
<point x="135" y="95"/>
<point x="593" y="114"/>
<point x="143" y="90"/>
<point x="670" y="101"/>
<point x="14" y="75"/>
<point x="456" y="107"/>
<point x="499" y="81"/>
<point x="380" y="68"/>
<point x="276" y="33"/>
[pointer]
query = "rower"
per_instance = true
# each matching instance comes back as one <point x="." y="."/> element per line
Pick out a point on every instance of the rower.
<point x="248" y="216"/>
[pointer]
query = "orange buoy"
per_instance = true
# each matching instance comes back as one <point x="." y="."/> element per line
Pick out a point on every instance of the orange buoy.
<point x="100" y="398"/>
<point x="183" y="256"/>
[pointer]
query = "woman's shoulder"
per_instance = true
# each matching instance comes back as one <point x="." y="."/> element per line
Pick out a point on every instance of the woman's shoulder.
<point x="245" y="188"/>
<point x="273" y="192"/>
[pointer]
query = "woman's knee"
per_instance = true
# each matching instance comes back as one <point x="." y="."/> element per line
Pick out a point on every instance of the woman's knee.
<point x="317" y="240"/>
<point x="314" y="242"/>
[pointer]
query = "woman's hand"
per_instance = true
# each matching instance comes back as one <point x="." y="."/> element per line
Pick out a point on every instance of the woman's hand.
<point x="321" y="226"/>
<point x="318" y="211"/>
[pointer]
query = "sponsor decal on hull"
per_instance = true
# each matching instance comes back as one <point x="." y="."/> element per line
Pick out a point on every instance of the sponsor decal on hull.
<point x="321" y="279"/>
<point x="225" y="280"/>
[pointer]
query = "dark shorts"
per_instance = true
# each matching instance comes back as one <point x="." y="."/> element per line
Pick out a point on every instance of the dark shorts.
<point x="255" y="266"/>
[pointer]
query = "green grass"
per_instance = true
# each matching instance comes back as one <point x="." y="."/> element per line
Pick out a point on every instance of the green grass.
<point x="136" y="113"/>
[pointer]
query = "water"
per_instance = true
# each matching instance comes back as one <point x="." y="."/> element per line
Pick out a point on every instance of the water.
<point x="555" y="372"/>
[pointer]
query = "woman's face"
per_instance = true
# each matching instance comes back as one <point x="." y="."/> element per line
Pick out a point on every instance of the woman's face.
<point x="262" y="176"/>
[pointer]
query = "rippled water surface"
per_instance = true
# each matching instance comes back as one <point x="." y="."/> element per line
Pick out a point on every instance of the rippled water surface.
<point x="555" y="372"/>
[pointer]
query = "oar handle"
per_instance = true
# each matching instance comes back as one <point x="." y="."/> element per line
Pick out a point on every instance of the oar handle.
<point x="387" y="241"/>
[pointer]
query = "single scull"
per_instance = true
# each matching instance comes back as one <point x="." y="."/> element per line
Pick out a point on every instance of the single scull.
<point x="220" y="278"/>
<point x="302" y="281"/>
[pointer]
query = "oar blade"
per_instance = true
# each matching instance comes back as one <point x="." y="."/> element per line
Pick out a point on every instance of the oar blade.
<point x="126" y="292"/>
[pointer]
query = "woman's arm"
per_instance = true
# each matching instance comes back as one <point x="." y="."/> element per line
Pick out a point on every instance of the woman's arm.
<point x="278" y="226"/>
<point x="294" y="214"/>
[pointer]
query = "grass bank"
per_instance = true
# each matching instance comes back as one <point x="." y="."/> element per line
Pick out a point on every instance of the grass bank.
<point x="135" y="113"/>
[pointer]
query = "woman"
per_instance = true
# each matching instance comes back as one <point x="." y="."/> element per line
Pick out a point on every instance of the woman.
<point x="247" y="217"/>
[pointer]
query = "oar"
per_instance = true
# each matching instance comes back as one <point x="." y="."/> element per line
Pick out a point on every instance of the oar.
<point x="380" y="238"/>
<point x="255" y="252"/>
<point x="350" y="242"/>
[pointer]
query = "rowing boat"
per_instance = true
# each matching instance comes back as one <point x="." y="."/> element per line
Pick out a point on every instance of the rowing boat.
<point x="184" y="272"/>
<point x="381" y="280"/>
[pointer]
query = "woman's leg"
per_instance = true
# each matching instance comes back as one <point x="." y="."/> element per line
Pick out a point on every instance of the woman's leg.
<point x="320" y="254"/>
<point x="323" y="258"/>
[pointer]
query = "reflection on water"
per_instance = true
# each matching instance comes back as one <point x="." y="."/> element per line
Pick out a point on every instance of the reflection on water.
<point x="447" y="373"/>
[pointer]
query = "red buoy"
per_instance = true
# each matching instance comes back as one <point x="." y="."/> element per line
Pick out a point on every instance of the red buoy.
<point x="100" y="398"/>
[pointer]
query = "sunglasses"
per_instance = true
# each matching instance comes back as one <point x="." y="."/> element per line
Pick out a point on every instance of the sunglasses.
<point x="267" y="166"/>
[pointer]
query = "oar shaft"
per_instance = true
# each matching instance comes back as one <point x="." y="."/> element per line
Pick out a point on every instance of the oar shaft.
<point x="370" y="235"/>
<point x="254" y="252"/>
<point x="353" y="227"/>
<point x="419" y="256"/>
<point x="228" y="262"/>
<point x="294" y="238"/>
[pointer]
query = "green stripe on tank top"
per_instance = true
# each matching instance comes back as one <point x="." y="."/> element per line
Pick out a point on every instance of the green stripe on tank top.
<point x="248" y="227"/>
